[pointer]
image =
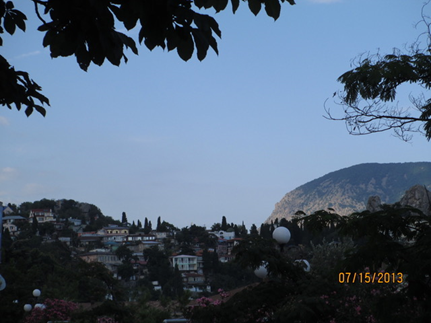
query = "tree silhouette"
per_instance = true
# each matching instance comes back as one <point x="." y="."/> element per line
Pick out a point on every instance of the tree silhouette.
<point x="370" y="90"/>
<point x="124" y="218"/>
<point x="88" y="30"/>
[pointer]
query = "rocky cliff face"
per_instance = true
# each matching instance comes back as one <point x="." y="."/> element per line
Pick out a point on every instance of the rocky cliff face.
<point x="348" y="190"/>
<point x="418" y="197"/>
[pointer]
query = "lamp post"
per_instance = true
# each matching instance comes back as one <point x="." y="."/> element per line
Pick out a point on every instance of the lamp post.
<point x="261" y="272"/>
<point x="282" y="236"/>
<point x="36" y="294"/>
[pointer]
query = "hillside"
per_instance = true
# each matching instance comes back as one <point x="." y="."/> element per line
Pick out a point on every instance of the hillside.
<point x="347" y="190"/>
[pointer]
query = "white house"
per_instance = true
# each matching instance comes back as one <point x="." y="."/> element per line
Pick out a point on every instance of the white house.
<point x="223" y="235"/>
<point x="42" y="215"/>
<point x="184" y="262"/>
<point x="10" y="221"/>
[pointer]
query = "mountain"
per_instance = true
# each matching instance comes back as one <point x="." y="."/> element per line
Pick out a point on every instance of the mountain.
<point x="347" y="190"/>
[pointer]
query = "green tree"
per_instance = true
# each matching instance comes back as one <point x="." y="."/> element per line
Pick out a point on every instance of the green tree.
<point x="44" y="204"/>
<point x="124" y="218"/>
<point x="34" y="225"/>
<point x="216" y="227"/>
<point x="253" y="230"/>
<point x="184" y="237"/>
<point x="382" y="244"/>
<point x="46" y="229"/>
<point x="174" y="286"/>
<point x="148" y="227"/>
<point x="370" y="90"/>
<point x="51" y="268"/>
<point x="125" y="271"/>
<point x="159" y="268"/>
<point x="159" y="224"/>
<point x="224" y="225"/>
<point x="69" y="209"/>
<point x="88" y="30"/>
<point x="146" y="224"/>
<point x="125" y="254"/>
<point x="265" y="231"/>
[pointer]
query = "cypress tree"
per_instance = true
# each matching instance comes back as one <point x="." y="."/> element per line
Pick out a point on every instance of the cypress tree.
<point x="124" y="218"/>
<point x="223" y="223"/>
<point x="35" y="225"/>
<point x="159" y="223"/>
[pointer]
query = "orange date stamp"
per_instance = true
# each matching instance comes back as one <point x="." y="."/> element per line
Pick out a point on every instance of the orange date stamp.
<point x="370" y="278"/>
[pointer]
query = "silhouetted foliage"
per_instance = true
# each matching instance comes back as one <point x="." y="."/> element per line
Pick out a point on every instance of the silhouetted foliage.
<point x="371" y="87"/>
<point x="89" y="31"/>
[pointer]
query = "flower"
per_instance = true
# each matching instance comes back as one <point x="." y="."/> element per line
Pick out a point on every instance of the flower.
<point x="358" y="310"/>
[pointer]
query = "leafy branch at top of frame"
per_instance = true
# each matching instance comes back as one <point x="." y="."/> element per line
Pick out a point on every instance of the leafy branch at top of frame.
<point x="88" y="30"/>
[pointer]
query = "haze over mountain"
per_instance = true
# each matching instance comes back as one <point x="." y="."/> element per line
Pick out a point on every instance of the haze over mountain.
<point x="347" y="190"/>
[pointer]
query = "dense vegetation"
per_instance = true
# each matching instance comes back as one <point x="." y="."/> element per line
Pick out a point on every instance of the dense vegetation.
<point x="367" y="267"/>
<point x="35" y="258"/>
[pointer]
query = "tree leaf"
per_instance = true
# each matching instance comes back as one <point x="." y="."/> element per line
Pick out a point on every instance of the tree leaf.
<point x="211" y="40"/>
<point x="83" y="57"/>
<point x="19" y="19"/>
<point x="46" y="26"/>
<point x="273" y="8"/>
<point x="172" y="39"/>
<point x="9" y="24"/>
<point x="220" y="5"/>
<point x="214" y="25"/>
<point x="235" y="5"/>
<point x="9" y="5"/>
<point x="47" y="40"/>
<point x="129" y="42"/>
<point x="201" y="42"/>
<point x="2" y="10"/>
<point x="185" y="45"/>
<point x="255" y="6"/>
<point x="117" y="12"/>
<point x="150" y="43"/>
<point x="28" y="111"/>
<point x="141" y="35"/>
<point x="40" y="109"/>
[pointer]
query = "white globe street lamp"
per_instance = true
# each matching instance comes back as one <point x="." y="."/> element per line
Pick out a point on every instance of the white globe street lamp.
<point x="29" y="307"/>
<point x="261" y="272"/>
<point x="281" y="235"/>
<point x="304" y="263"/>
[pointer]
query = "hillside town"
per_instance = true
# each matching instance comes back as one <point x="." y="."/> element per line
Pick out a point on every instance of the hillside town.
<point x="123" y="247"/>
<point x="84" y="267"/>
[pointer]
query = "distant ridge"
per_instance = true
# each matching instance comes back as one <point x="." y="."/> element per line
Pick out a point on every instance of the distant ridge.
<point x="347" y="190"/>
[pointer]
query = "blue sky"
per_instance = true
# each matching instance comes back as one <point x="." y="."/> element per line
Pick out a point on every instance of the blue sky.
<point x="194" y="141"/>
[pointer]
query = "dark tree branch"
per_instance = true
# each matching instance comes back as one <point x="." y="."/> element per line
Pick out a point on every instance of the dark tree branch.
<point x="36" y="8"/>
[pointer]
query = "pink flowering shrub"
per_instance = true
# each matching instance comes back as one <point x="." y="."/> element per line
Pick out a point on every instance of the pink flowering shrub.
<point x="207" y="307"/>
<point x="53" y="310"/>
